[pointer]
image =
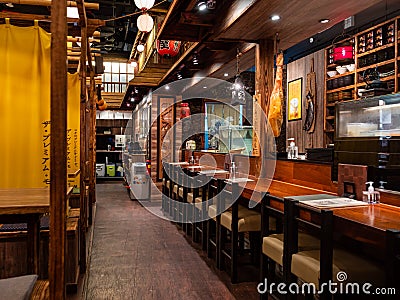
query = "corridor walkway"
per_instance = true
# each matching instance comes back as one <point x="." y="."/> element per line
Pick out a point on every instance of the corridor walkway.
<point x="137" y="255"/>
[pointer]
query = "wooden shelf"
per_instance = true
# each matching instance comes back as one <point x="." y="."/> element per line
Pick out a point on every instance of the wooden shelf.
<point x="330" y="118"/>
<point x="109" y="177"/>
<point x="74" y="174"/>
<point x="341" y="75"/>
<point x="349" y="87"/>
<point x="104" y="134"/>
<point x="112" y="151"/>
<point x="330" y="104"/>
<point x="329" y="130"/>
<point x="386" y="62"/>
<point x="376" y="50"/>
<point x="387" y="78"/>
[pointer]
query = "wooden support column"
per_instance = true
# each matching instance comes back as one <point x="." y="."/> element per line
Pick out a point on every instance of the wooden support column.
<point x="92" y="137"/>
<point x="83" y="199"/>
<point x="264" y="72"/>
<point x="58" y="150"/>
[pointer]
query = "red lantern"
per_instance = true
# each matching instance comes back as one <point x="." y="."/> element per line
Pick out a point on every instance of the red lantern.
<point x="343" y="53"/>
<point x="168" y="48"/>
<point x="185" y="110"/>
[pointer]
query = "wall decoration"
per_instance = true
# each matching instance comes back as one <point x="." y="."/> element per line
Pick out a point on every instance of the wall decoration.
<point x="295" y="93"/>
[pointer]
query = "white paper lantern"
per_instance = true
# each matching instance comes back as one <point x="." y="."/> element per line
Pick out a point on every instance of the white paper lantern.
<point x="145" y="23"/>
<point x="140" y="48"/>
<point x="144" y="4"/>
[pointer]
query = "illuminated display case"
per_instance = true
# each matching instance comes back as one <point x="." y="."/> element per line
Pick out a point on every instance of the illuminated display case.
<point x="368" y="133"/>
<point x="236" y="139"/>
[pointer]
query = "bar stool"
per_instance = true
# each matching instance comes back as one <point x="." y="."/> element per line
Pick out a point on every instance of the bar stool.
<point x="166" y="186"/>
<point x="238" y="219"/>
<point x="322" y="265"/>
<point x="273" y="250"/>
<point x="214" y="218"/>
<point x="196" y="197"/>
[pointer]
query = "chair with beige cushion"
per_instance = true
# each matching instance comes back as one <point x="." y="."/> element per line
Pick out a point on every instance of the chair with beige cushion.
<point x="234" y="220"/>
<point x="273" y="241"/>
<point x="322" y="265"/>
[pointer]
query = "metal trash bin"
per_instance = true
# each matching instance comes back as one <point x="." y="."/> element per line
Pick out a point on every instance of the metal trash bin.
<point x="140" y="181"/>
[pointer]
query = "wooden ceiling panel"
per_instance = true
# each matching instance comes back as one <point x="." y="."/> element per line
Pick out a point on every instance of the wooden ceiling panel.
<point x="299" y="19"/>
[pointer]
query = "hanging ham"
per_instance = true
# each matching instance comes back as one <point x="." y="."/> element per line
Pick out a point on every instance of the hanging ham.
<point x="275" y="116"/>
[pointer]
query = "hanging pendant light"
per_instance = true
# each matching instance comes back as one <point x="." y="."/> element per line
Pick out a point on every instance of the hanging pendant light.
<point x="238" y="90"/>
<point x="144" y="4"/>
<point x="343" y="52"/>
<point x="145" y="23"/>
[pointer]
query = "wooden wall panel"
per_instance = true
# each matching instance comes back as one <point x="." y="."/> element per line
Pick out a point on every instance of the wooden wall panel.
<point x="299" y="69"/>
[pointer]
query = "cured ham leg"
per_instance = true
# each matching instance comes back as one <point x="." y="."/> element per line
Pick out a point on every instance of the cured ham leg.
<point x="275" y="116"/>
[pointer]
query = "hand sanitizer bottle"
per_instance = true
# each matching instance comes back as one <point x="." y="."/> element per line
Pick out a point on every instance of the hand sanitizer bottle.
<point x="233" y="171"/>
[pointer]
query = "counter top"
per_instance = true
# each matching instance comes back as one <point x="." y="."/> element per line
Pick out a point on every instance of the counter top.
<point x="307" y="161"/>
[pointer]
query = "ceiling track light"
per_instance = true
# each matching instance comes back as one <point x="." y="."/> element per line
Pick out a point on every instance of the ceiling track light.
<point x="202" y="5"/>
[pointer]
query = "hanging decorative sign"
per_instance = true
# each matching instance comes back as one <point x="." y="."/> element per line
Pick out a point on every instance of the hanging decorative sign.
<point x="168" y="48"/>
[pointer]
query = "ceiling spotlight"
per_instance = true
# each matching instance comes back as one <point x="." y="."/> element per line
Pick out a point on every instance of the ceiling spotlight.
<point x="202" y="5"/>
<point x="9" y="5"/>
<point x="179" y="76"/>
<point x="204" y="87"/>
<point x="140" y="48"/>
<point x="167" y="87"/>
<point x="275" y="17"/>
<point x="132" y="99"/>
<point x="226" y="74"/>
<point x="323" y="21"/>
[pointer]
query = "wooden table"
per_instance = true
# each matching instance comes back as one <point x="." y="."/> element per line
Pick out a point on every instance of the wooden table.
<point x="27" y="205"/>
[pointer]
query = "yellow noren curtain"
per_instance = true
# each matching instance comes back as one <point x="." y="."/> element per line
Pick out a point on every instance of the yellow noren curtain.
<point x="25" y="108"/>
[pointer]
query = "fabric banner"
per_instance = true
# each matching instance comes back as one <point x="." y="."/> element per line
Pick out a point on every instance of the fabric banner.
<point x="25" y="113"/>
<point x="73" y="132"/>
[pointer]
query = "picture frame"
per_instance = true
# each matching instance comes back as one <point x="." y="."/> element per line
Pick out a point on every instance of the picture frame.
<point x="294" y="99"/>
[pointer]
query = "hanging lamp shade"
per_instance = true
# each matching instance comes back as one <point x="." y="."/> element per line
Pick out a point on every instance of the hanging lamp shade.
<point x="144" y="4"/>
<point x="343" y="53"/>
<point x="145" y="23"/>
<point x="168" y="48"/>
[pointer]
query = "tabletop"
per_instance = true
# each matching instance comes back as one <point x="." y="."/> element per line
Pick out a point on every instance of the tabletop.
<point x="25" y="200"/>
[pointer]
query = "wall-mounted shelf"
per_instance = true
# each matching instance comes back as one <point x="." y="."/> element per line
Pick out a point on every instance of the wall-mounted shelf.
<point x="385" y="58"/>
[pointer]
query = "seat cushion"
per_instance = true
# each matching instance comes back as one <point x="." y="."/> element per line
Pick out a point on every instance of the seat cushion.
<point x="273" y="245"/>
<point x="17" y="288"/>
<point x="249" y="220"/>
<point x="306" y="266"/>
<point x="175" y="189"/>
<point x="180" y="191"/>
<point x="212" y="211"/>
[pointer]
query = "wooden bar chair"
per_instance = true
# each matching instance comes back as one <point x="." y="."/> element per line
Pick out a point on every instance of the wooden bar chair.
<point x="214" y="218"/>
<point x="166" y="186"/>
<point x="198" y="186"/>
<point x="322" y="265"/>
<point x="273" y="239"/>
<point x="236" y="219"/>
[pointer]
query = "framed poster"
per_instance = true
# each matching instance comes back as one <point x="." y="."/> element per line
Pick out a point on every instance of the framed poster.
<point x="294" y="103"/>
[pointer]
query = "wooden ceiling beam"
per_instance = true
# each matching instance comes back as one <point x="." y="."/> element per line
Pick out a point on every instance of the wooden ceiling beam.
<point x="94" y="6"/>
